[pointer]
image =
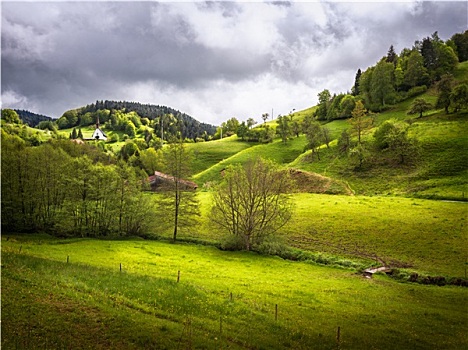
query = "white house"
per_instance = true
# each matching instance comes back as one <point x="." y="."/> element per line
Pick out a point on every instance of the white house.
<point x="98" y="134"/>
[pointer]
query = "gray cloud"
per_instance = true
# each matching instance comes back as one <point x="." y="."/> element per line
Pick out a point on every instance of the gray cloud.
<point x="212" y="60"/>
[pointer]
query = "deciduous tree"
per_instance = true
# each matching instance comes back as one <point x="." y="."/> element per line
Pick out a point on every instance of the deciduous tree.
<point x="420" y="106"/>
<point x="252" y="201"/>
<point x="283" y="127"/>
<point x="360" y="121"/>
<point x="459" y="97"/>
<point x="444" y="88"/>
<point x="180" y="202"/>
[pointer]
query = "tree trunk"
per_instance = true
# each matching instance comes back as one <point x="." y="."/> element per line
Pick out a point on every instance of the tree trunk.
<point x="176" y="214"/>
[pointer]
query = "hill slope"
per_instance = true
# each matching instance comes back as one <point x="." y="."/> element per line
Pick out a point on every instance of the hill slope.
<point x="30" y="118"/>
<point x="439" y="170"/>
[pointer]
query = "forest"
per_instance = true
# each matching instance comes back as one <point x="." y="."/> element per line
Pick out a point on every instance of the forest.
<point x="128" y="116"/>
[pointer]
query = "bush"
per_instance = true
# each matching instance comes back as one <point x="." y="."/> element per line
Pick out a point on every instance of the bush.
<point x="417" y="90"/>
<point x="272" y="245"/>
<point x="231" y="243"/>
<point x="114" y="138"/>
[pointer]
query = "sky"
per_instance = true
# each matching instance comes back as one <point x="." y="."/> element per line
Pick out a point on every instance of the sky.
<point x="212" y="60"/>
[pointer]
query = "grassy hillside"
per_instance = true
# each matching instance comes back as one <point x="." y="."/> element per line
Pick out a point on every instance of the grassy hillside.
<point x="438" y="171"/>
<point x="207" y="154"/>
<point x="223" y="300"/>
<point x="277" y="151"/>
<point x="422" y="235"/>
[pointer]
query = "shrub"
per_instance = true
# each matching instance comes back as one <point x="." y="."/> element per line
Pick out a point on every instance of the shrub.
<point x="231" y="243"/>
<point x="272" y="245"/>
<point x="417" y="90"/>
<point x="114" y="138"/>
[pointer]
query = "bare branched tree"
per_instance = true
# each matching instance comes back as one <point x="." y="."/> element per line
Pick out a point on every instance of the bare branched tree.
<point x="252" y="202"/>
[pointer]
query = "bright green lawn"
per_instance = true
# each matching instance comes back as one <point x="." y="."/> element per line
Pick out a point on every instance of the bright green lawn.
<point x="89" y="303"/>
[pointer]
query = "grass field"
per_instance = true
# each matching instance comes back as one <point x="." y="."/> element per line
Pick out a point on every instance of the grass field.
<point x="423" y="235"/>
<point x="277" y="151"/>
<point x="207" y="154"/>
<point x="88" y="302"/>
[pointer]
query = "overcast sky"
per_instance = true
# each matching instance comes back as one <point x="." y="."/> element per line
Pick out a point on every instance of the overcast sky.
<point x="211" y="60"/>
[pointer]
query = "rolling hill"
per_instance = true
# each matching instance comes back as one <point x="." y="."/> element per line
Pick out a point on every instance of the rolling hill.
<point x="439" y="171"/>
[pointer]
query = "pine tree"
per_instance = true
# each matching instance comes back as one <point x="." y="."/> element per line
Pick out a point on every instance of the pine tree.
<point x="356" y="83"/>
<point x="391" y="55"/>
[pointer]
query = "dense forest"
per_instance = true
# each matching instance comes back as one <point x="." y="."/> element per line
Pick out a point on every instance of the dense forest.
<point x="125" y="116"/>
<point x="396" y="77"/>
<point x="32" y="119"/>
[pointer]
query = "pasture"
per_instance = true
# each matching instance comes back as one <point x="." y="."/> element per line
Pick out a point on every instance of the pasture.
<point x="80" y="293"/>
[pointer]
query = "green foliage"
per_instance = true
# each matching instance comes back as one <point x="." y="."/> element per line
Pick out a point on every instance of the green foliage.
<point x="129" y="149"/>
<point x="324" y="99"/>
<point x="393" y="136"/>
<point x="460" y="45"/>
<point x="242" y="130"/>
<point x="459" y="97"/>
<point x="416" y="91"/>
<point x="69" y="119"/>
<point x="344" y="142"/>
<point x="416" y="72"/>
<point x="382" y="91"/>
<point x="444" y="88"/>
<point x="314" y="134"/>
<point x="10" y="116"/>
<point x="262" y="134"/>
<point x="47" y="125"/>
<point x="420" y="106"/>
<point x="360" y="120"/>
<point x="57" y="188"/>
<point x="283" y="128"/>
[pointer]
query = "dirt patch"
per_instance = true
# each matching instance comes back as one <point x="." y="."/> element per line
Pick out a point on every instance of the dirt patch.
<point x="308" y="182"/>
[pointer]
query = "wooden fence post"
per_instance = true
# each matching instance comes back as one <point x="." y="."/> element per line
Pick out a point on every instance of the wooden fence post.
<point x="120" y="267"/>
<point x="178" y="276"/>
<point x="276" y="312"/>
<point x="338" y="336"/>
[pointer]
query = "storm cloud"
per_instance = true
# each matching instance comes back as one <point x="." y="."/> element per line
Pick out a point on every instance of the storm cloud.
<point x="212" y="60"/>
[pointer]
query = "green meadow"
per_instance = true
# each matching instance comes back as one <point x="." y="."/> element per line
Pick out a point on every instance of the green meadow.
<point x="307" y="291"/>
<point x="100" y="294"/>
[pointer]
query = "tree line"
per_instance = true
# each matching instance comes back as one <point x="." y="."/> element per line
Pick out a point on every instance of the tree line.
<point x="74" y="188"/>
<point x="397" y="77"/>
<point x="66" y="188"/>
<point x="128" y="116"/>
<point x="32" y="119"/>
